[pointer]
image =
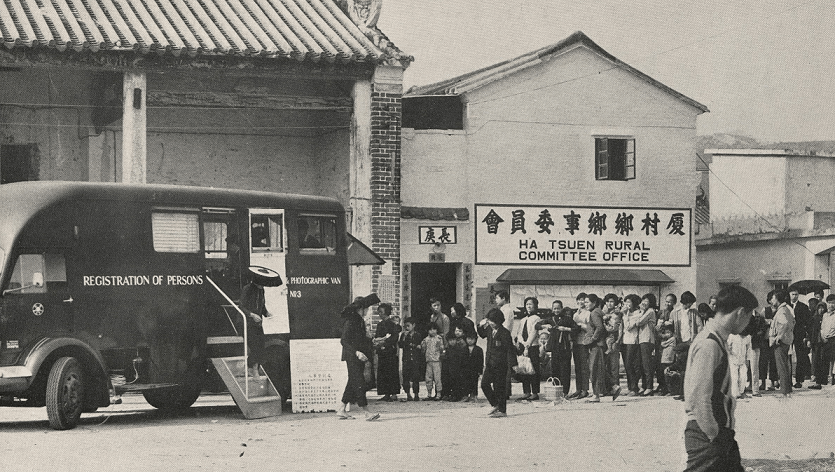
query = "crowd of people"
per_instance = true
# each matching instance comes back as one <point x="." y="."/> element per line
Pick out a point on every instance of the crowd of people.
<point x="785" y="340"/>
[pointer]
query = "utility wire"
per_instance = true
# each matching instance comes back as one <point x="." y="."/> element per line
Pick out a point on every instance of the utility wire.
<point x="780" y="230"/>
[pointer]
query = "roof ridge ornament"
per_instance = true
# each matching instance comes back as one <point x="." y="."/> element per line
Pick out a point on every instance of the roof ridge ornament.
<point x="364" y="13"/>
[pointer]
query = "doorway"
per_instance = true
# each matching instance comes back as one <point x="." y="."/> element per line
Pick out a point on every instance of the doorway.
<point x="433" y="280"/>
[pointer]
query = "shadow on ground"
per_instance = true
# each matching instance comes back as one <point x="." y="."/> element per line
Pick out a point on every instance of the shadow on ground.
<point x="805" y="465"/>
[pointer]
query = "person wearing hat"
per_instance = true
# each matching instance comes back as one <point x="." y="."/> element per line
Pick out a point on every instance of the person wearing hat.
<point x="500" y="358"/>
<point x="253" y="304"/>
<point x="356" y="350"/>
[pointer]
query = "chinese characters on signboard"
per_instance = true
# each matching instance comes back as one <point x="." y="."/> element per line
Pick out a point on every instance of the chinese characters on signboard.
<point x="562" y="235"/>
<point x="318" y="374"/>
<point x="437" y="235"/>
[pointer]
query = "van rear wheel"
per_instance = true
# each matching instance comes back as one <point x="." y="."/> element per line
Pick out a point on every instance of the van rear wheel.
<point x="64" y="393"/>
<point x="172" y="398"/>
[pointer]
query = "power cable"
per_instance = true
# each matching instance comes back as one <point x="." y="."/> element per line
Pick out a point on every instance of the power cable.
<point x="777" y="229"/>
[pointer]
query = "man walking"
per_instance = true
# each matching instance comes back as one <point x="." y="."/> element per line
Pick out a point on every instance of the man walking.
<point x="708" y="402"/>
<point x="802" y="317"/>
<point x="499" y="360"/>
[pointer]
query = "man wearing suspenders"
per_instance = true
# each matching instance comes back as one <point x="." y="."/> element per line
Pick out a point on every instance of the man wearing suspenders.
<point x="708" y="402"/>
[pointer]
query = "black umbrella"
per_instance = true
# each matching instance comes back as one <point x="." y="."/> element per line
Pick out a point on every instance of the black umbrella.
<point x="264" y="276"/>
<point x="808" y="286"/>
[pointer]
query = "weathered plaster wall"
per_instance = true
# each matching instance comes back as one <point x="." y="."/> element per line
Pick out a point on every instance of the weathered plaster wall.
<point x="747" y="193"/>
<point x="810" y="184"/>
<point x="48" y="109"/>
<point x="752" y="263"/>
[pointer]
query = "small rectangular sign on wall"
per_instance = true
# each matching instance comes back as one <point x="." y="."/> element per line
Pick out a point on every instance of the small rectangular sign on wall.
<point x="437" y="235"/>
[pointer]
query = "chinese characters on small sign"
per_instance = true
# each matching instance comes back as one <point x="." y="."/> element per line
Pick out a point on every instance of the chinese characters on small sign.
<point x="437" y="235"/>
<point x="562" y="235"/>
<point x="318" y="374"/>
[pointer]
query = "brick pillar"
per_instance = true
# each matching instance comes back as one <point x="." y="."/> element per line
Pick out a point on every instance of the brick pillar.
<point x="385" y="179"/>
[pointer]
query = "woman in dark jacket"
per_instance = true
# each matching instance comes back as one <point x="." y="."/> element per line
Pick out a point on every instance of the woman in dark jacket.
<point x="813" y="335"/>
<point x="385" y="343"/>
<point x="560" y="326"/>
<point x="356" y="350"/>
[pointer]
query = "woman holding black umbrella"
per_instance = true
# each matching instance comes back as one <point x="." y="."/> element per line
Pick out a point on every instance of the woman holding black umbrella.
<point x="356" y="350"/>
<point x="253" y="304"/>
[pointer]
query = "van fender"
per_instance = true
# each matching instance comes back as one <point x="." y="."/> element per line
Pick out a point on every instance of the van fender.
<point x="93" y="362"/>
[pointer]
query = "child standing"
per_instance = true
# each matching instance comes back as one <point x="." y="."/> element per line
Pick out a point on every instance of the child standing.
<point x="545" y="353"/>
<point x="612" y="322"/>
<point x="668" y="351"/>
<point x="433" y="349"/>
<point x="739" y="348"/>
<point x="473" y="367"/>
<point x="455" y="356"/>
<point x="410" y="343"/>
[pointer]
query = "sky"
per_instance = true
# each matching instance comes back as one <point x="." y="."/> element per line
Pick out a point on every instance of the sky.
<point x="764" y="68"/>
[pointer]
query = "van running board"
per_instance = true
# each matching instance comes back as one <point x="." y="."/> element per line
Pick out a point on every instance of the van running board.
<point x="264" y="400"/>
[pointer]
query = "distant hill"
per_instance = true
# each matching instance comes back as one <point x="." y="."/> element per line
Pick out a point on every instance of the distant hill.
<point x="725" y="141"/>
<point x="720" y="141"/>
<point x="736" y="141"/>
<point x="822" y="147"/>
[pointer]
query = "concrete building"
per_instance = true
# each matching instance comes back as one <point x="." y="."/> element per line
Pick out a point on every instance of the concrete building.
<point x="772" y="220"/>
<point x="567" y="135"/>
<point x="284" y="96"/>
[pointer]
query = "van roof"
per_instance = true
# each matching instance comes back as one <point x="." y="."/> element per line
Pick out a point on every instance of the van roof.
<point x="23" y="199"/>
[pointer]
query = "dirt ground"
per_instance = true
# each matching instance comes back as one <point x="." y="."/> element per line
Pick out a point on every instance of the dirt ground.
<point x="631" y="434"/>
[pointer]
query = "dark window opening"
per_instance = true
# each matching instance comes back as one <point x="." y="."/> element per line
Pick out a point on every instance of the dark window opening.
<point x="433" y="112"/>
<point x="317" y="233"/>
<point x="614" y="158"/>
<point x="267" y="233"/>
<point x="18" y="163"/>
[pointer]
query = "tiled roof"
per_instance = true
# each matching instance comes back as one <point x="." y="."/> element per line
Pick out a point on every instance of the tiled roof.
<point x="479" y="78"/>
<point x="315" y="30"/>
<point x="435" y="214"/>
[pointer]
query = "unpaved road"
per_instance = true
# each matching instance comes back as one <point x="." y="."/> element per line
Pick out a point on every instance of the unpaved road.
<point x="632" y="434"/>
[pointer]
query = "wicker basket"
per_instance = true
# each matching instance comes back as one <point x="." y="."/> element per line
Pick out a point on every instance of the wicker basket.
<point x="552" y="391"/>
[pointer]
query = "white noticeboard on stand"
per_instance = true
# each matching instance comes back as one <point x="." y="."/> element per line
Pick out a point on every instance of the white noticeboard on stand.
<point x="318" y="373"/>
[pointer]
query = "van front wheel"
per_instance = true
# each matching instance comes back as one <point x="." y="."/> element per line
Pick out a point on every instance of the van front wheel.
<point x="172" y="398"/>
<point x="64" y="393"/>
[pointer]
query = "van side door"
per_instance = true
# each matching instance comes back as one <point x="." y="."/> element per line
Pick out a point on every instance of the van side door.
<point x="268" y="248"/>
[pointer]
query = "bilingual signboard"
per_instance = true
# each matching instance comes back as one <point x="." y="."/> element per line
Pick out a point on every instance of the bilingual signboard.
<point x="560" y="235"/>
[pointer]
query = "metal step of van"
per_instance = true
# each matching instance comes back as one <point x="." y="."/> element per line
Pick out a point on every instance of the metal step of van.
<point x="225" y="346"/>
<point x="256" y="398"/>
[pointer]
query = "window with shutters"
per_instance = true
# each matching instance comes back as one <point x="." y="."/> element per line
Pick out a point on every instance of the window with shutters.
<point x="614" y="158"/>
<point x="176" y="231"/>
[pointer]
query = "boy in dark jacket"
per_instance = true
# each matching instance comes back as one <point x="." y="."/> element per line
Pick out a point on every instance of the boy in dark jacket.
<point x="410" y="343"/>
<point x="674" y="374"/>
<point x="473" y="367"/>
<point x="500" y="359"/>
